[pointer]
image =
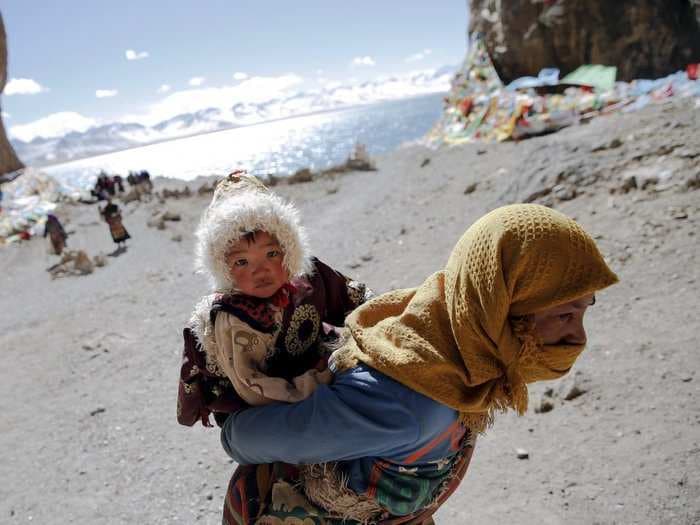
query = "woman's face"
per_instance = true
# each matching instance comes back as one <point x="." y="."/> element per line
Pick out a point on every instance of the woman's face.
<point x="563" y="324"/>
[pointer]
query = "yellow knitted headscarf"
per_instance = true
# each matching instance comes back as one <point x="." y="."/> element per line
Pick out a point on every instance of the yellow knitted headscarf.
<point x="456" y="338"/>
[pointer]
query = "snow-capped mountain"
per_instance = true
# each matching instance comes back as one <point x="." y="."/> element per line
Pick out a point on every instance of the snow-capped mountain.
<point x="119" y="135"/>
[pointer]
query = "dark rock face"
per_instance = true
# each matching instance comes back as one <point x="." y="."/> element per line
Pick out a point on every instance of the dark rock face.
<point x="8" y="159"/>
<point x="643" y="38"/>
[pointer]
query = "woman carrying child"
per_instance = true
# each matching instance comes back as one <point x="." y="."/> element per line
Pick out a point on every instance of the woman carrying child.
<point x="422" y="371"/>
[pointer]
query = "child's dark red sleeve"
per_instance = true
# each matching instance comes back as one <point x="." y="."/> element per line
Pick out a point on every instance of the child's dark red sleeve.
<point x="200" y="392"/>
<point x="343" y="294"/>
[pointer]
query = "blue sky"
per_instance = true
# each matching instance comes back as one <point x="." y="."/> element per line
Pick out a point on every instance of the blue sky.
<point x="70" y="57"/>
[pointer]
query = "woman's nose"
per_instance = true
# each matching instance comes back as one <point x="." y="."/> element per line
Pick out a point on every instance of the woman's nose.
<point x="577" y="335"/>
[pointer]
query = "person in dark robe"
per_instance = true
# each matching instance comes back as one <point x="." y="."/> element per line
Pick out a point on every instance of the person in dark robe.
<point x="56" y="234"/>
<point x="112" y="215"/>
<point x="119" y="183"/>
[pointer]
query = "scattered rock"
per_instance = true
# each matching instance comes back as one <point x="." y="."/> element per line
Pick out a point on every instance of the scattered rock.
<point x="686" y="153"/>
<point x="97" y="411"/>
<point x="538" y="194"/>
<point x="176" y="194"/>
<point x="573" y="392"/>
<point x="545" y="405"/>
<point x="425" y="162"/>
<point x="693" y="182"/>
<point x="132" y="195"/>
<point x="156" y="222"/>
<point x="521" y="453"/>
<point x="300" y="176"/>
<point x="137" y="192"/>
<point x="629" y="182"/>
<point x="171" y="216"/>
<point x="470" y="189"/>
<point x="82" y="263"/>
<point x="612" y="144"/>
<point x="564" y="192"/>
<point x="272" y="180"/>
<point x="640" y="178"/>
<point x="205" y="188"/>
<point x="73" y="262"/>
<point x="159" y="217"/>
<point x="177" y="237"/>
<point x="572" y="386"/>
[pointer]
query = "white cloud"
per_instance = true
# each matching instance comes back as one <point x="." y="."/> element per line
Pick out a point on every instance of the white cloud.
<point x="133" y="55"/>
<point x="253" y="90"/>
<point x="6" y="115"/>
<point x="106" y="93"/>
<point x="238" y="75"/>
<point x="196" y="81"/>
<point x="23" y="86"/>
<point x="164" y="88"/>
<point x="363" y="61"/>
<point x="415" y="57"/>
<point x="54" y="125"/>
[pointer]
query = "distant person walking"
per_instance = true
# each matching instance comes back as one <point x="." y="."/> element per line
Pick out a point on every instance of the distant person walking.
<point x="113" y="217"/>
<point x="56" y="234"/>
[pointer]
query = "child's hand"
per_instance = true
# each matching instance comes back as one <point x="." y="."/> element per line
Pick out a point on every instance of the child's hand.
<point x="322" y="364"/>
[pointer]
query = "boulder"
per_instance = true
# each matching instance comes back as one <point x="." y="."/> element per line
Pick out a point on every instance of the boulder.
<point x="642" y="38"/>
<point x="8" y="158"/>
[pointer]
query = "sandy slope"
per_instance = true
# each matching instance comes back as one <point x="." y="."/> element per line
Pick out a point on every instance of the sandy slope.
<point x="87" y="402"/>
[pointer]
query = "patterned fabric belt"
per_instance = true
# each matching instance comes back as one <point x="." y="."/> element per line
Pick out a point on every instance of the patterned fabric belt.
<point x="326" y="487"/>
<point x="272" y="495"/>
<point x="459" y="469"/>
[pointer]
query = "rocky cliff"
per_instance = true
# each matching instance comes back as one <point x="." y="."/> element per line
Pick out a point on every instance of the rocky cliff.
<point x="8" y="158"/>
<point x="643" y="38"/>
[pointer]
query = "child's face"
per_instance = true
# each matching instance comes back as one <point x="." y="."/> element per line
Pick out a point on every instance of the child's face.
<point x="256" y="265"/>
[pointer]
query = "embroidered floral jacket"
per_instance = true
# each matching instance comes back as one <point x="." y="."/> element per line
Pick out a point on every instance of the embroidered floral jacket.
<point x="311" y="307"/>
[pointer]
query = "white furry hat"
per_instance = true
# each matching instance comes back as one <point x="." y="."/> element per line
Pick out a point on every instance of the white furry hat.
<point x="242" y="204"/>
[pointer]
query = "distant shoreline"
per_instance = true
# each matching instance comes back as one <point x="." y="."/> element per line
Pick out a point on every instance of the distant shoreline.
<point x="232" y="127"/>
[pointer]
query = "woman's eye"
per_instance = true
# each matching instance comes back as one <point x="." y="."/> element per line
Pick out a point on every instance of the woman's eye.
<point x="240" y="262"/>
<point x="273" y="253"/>
<point x="566" y="317"/>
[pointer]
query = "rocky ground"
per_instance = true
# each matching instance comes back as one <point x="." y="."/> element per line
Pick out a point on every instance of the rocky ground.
<point x="87" y="405"/>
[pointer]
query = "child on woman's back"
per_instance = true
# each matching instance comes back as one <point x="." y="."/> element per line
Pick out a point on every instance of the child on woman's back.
<point x="255" y="339"/>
